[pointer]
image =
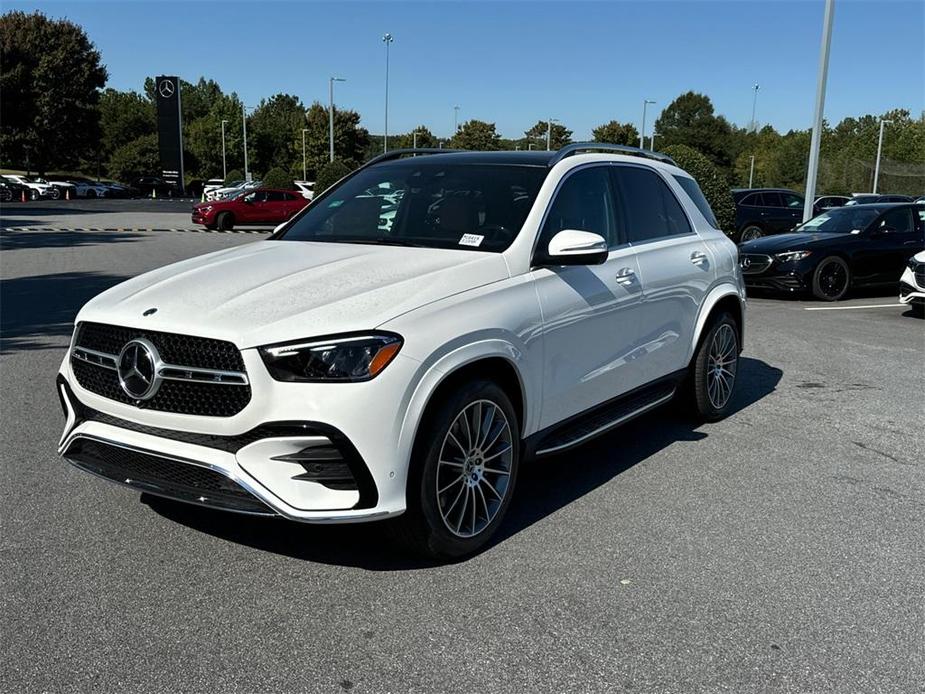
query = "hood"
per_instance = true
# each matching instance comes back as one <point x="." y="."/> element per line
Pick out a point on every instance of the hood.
<point x="793" y="242"/>
<point x="272" y="291"/>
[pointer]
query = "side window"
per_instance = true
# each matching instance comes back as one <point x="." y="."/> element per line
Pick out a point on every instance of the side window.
<point x="275" y="196"/>
<point x="898" y="221"/>
<point x="792" y="201"/>
<point x="752" y="200"/>
<point x="696" y="195"/>
<point x="650" y="210"/>
<point x="772" y="199"/>
<point x="584" y="202"/>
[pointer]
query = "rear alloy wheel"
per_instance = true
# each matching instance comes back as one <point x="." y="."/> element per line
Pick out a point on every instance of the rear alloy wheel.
<point x="54" y="193"/>
<point x="33" y="194"/>
<point x="831" y="279"/>
<point x="714" y="369"/>
<point x="462" y="473"/>
<point x="750" y="233"/>
<point x="225" y="221"/>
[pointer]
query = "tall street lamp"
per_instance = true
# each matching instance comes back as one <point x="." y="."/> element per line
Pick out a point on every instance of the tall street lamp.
<point x="751" y="171"/>
<point x="549" y="132"/>
<point x="879" y="150"/>
<point x="224" y="165"/>
<point x="652" y="140"/>
<point x="304" y="177"/>
<point x="244" y="121"/>
<point x="331" y="81"/>
<point x="754" y="123"/>
<point x="812" y="170"/>
<point x="387" y="40"/>
<point x="455" y="119"/>
<point x="642" y="132"/>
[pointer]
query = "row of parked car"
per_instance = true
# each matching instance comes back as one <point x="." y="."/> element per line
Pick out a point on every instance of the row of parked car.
<point x="17" y="187"/>
<point x="216" y="189"/>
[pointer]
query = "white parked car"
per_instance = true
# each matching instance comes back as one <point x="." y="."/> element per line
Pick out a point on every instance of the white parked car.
<point x="912" y="284"/>
<point x="339" y="373"/>
<point x="213" y="184"/>
<point x="231" y="191"/>
<point x="36" y="189"/>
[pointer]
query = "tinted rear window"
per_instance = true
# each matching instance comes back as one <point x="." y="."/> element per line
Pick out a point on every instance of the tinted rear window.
<point x="696" y="195"/>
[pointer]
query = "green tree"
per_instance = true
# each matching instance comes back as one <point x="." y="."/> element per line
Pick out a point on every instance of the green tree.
<point x="712" y="181"/>
<point x="124" y="117"/>
<point x="272" y="130"/>
<point x="616" y="133"/>
<point x="277" y="178"/>
<point x="140" y="157"/>
<point x="329" y="174"/>
<point x="559" y="135"/>
<point x="476" y="135"/>
<point x="234" y="176"/>
<point x="350" y="140"/>
<point x="425" y="138"/>
<point x="50" y="79"/>
<point x="690" y="120"/>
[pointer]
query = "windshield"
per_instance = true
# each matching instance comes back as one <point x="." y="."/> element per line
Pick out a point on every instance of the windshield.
<point x="841" y="220"/>
<point x="461" y="206"/>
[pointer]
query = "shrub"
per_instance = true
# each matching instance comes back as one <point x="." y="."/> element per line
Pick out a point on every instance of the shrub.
<point x="713" y="182"/>
<point x="277" y="178"/>
<point x="330" y="174"/>
<point x="234" y="175"/>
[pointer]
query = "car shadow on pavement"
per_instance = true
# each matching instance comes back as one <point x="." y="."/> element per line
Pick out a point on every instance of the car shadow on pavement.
<point x="38" y="307"/>
<point x="544" y="486"/>
<point x="20" y="240"/>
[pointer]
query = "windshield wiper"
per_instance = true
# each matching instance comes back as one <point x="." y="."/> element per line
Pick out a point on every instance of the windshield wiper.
<point x="385" y="241"/>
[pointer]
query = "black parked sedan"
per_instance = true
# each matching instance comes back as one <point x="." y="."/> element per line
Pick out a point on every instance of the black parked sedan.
<point x="852" y="246"/>
<point x="764" y="211"/>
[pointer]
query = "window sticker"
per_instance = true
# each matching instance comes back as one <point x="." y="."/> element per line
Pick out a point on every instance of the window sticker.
<point x="855" y="231"/>
<point x="471" y="240"/>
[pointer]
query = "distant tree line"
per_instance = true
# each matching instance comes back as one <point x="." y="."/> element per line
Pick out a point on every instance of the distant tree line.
<point x="57" y="116"/>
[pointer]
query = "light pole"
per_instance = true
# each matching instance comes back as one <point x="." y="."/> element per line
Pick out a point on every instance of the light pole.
<point x="549" y="132"/>
<point x="642" y="132"/>
<point x="455" y="119"/>
<point x="652" y="140"/>
<point x="244" y="120"/>
<point x="754" y="123"/>
<point x="530" y="146"/>
<point x="879" y="150"/>
<point x="387" y="40"/>
<point x="224" y="166"/>
<point x="812" y="169"/>
<point x="304" y="177"/>
<point x="331" y="81"/>
<point x="751" y="171"/>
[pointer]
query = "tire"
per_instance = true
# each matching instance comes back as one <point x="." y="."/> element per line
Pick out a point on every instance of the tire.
<point x="225" y="221"/>
<point x="918" y="310"/>
<point x="33" y="194"/>
<point x="90" y="193"/>
<point x="54" y="193"/>
<point x="714" y="369"/>
<point x="6" y="195"/>
<point x="750" y="233"/>
<point x="831" y="279"/>
<point x="441" y="522"/>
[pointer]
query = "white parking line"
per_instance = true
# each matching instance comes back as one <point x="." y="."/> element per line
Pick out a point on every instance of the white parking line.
<point x="847" y="308"/>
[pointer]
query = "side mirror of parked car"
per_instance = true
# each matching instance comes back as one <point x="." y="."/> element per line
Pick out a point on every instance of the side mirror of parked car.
<point x="574" y="247"/>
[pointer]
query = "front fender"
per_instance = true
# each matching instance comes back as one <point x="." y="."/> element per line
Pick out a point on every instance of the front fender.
<point x="714" y="296"/>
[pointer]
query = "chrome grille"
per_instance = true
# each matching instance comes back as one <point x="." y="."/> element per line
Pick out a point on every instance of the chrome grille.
<point x="920" y="274"/>
<point x="201" y="376"/>
<point x="754" y="263"/>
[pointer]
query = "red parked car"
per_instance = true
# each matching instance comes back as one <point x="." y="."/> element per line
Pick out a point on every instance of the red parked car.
<point x="259" y="206"/>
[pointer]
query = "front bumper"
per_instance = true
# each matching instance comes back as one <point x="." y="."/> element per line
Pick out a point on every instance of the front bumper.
<point x="319" y="453"/>
<point x="768" y="274"/>
<point x="200" y="217"/>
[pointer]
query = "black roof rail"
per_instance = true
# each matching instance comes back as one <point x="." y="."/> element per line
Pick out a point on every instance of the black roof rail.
<point x="399" y="153"/>
<point x="580" y="147"/>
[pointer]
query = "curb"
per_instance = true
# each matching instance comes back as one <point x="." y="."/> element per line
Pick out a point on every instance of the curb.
<point x="139" y="229"/>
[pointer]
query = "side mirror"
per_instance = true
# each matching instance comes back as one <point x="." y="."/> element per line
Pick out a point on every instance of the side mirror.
<point x="573" y="247"/>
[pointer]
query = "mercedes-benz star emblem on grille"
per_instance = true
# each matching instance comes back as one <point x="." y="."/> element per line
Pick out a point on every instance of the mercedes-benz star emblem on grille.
<point x="137" y="368"/>
<point x="746" y="262"/>
<point x="165" y="88"/>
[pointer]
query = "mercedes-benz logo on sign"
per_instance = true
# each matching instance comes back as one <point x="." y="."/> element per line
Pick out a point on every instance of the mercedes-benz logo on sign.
<point x="137" y="369"/>
<point x="165" y="89"/>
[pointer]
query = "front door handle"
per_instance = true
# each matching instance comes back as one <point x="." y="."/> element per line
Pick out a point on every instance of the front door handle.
<point x="626" y="276"/>
<point x="698" y="258"/>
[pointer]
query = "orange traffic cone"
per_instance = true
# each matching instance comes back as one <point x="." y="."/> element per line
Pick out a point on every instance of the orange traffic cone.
<point x="67" y="193"/>
<point x="23" y="195"/>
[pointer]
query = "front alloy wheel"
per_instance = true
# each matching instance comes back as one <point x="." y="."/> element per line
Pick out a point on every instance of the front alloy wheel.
<point x="463" y="471"/>
<point x="831" y="279"/>
<point x="712" y="378"/>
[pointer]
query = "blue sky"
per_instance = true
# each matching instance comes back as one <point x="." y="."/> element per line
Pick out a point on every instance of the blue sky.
<point x="514" y="63"/>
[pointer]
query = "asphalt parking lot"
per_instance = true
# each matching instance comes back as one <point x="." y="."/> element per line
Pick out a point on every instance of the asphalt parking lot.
<point x="780" y="550"/>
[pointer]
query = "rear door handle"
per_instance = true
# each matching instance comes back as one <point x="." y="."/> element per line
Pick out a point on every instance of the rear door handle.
<point x="698" y="258"/>
<point x="626" y="276"/>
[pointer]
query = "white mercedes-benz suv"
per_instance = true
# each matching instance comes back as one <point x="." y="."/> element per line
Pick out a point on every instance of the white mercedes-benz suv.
<point x="412" y="337"/>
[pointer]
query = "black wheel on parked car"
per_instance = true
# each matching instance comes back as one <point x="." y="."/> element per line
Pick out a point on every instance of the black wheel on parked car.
<point x="54" y="193"/>
<point x="918" y="310"/>
<point x="225" y="221"/>
<point x="750" y="233"/>
<point x="463" y="471"/>
<point x="831" y="279"/>
<point x="6" y="195"/>
<point x="33" y="194"/>
<point x="91" y="193"/>
<point x="712" y="378"/>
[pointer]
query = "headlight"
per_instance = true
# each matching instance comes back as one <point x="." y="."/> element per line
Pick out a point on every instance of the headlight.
<point x="206" y="209"/>
<point x="792" y="255"/>
<point x="342" y="358"/>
